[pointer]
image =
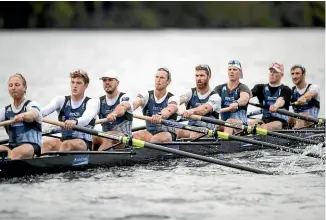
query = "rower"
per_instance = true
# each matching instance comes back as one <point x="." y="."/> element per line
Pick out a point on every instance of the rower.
<point x="305" y="97"/>
<point x="235" y="97"/>
<point x="75" y="109"/>
<point x="117" y="108"/>
<point x="200" y="100"/>
<point x="274" y="95"/>
<point x="155" y="104"/>
<point x="26" y="130"/>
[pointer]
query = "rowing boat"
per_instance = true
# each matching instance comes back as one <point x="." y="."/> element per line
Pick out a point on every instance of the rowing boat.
<point x="58" y="162"/>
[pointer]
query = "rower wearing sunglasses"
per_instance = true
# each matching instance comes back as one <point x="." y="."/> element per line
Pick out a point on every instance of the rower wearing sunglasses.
<point x="157" y="104"/>
<point x="273" y="95"/>
<point x="199" y="100"/>
<point x="305" y="97"/>
<point x="235" y="97"/>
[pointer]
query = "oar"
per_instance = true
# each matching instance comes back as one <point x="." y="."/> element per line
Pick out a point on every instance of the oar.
<point x="140" y="144"/>
<point x="226" y="136"/>
<point x="252" y="129"/>
<point x="8" y="122"/>
<point x="47" y="132"/>
<point x="318" y="121"/>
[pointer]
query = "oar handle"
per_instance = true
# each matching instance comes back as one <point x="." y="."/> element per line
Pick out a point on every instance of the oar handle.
<point x="101" y="121"/>
<point x="53" y="122"/>
<point x="195" y="117"/>
<point x="142" y="117"/>
<point x="319" y="121"/>
<point x="227" y="109"/>
<point x="8" y="122"/>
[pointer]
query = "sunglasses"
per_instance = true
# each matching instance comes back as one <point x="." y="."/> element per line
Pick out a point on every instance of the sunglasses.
<point x="234" y="62"/>
<point x="204" y="67"/>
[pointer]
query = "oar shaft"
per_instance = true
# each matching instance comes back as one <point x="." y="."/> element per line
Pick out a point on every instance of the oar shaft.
<point x="206" y="159"/>
<point x="8" y="122"/>
<point x="140" y="143"/>
<point x="226" y="136"/>
<point x="175" y="124"/>
<point x="292" y="114"/>
<point x="253" y="130"/>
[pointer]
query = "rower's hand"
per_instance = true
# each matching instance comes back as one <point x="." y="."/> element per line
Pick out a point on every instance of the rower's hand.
<point x="273" y="108"/>
<point x="188" y="113"/>
<point x="112" y="117"/>
<point x="69" y="124"/>
<point x="233" y="107"/>
<point x="19" y="118"/>
<point x="302" y="100"/>
<point x="156" y="119"/>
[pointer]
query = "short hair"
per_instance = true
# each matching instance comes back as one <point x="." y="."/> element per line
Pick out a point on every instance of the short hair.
<point x="204" y="67"/>
<point x="80" y="73"/>
<point x="300" y="67"/>
<point x="165" y="70"/>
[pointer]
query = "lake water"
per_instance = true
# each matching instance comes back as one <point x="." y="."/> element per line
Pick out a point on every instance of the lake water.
<point x="179" y="189"/>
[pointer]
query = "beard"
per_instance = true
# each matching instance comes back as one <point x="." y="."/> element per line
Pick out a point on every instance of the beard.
<point x="109" y="91"/>
<point x="202" y="85"/>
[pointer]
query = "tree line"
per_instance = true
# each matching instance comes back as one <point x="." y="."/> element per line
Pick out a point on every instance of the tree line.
<point x="153" y="15"/>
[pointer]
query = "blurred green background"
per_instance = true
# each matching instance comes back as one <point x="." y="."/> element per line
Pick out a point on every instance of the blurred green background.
<point x="152" y="15"/>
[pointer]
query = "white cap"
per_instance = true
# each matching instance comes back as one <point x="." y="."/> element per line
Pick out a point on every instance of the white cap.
<point x="110" y="74"/>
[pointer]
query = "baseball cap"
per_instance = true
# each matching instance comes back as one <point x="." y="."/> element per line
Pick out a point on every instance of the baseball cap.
<point x="278" y="67"/>
<point x="110" y="74"/>
<point x="236" y="64"/>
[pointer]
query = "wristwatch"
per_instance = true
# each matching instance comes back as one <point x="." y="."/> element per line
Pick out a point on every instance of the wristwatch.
<point x="236" y="101"/>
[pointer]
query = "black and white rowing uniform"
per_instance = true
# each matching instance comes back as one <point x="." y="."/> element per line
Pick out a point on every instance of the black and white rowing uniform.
<point x="23" y="132"/>
<point x="152" y="106"/>
<point x="123" y="123"/>
<point x="83" y="111"/>
<point x="267" y="95"/>
<point x="311" y="107"/>
<point x="192" y="99"/>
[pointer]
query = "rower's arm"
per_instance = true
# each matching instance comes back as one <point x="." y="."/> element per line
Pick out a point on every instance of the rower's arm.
<point x="245" y="94"/>
<point x="213" y="104"/>
<point x="280" y="102"/>
<point x="172" y="107"/>
<point x="54" y="105"/>
<point x="137" y="102"/>
<point x="312" y="92"/>
<point x="33" y="113"/>
<point x="244" y="98"/>
<point x="91" y="111"/>
<point x="285" y="97"/>
<point x="125" y="105"/>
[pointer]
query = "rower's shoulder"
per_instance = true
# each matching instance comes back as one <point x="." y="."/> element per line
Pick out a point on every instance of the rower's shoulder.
<point x="219" y="87"/>
<point x="287" y="87"/>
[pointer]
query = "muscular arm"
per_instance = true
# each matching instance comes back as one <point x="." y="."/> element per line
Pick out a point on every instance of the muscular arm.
<point x="312" y="92"/>
<point x="171" y="109"/>
<point x="244" y="98"/>
<point x="285" y="97"/>
<point x="125" y="105"/>
<point x="137" y="102"/>
<point x="213" y="104"/>
<point x="245" y="94"/>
